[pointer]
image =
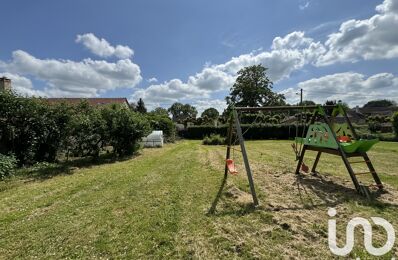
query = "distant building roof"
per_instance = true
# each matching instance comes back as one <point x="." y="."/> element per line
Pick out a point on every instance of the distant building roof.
<point x="91" y="101"/>
<point x="378" y="110"/>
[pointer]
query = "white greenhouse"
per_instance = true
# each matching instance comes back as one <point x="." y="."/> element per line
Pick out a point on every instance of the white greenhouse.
<point x="154" y="139"/>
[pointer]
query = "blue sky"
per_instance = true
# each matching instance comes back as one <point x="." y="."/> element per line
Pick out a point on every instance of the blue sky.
<point x="332" y="49"/>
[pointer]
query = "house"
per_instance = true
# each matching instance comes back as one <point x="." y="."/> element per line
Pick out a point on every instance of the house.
<point x="355" y="117"/>
<point x="91" y="101"/>
<point x="5" y="84"/>
<point x="381" y="111"/>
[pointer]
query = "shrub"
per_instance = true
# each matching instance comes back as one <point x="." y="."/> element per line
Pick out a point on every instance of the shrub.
<point x="27" y="129"/>
<point x="395" y="123"/>
<point x="213" y="139"/>
<point x="374" y="126"/>
<point x="36" y="131"/>
<point x="124" y="129"/>
<point x="86" y="131"/>
<point x="164" y="123"/>
<point x="7" y="165"/>
<point x="55" y="132"/>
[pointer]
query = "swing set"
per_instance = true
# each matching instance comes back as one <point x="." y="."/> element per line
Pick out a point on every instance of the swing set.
<point x="323" y="135"/>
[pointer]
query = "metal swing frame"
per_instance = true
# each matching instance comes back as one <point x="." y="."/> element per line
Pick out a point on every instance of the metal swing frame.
<point x="235" y="123"/>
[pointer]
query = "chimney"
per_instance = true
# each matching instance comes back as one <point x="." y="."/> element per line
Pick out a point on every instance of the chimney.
<point x="5" y="84"/>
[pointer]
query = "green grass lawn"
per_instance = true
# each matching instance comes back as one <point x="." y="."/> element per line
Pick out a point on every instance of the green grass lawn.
<point x="155" y="206"/>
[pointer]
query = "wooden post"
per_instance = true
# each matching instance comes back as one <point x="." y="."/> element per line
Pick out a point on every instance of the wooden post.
<point x="301" y="159"/>
<point x="318" y="156"/>
<point x="372" y="170"/>
<point x="245" y="159"/>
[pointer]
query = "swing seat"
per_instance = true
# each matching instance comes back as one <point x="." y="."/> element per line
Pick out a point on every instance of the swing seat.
<point x="231" y="167"/>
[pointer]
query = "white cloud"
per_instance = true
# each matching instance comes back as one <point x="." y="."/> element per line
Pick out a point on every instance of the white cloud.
<point x="373" y="38"/>
<point x="218" y="104"/>
<point x="369" y="39"/>
<point x="169" y="92"/>
<point x="352" y="88"/>
<point x="212" y="79"/>
<point x="287" y="54"/>
<point x="22" y="85"/>
<point x="102" y="48"/>
<point x="152" y="80"/>
<point x="86" y="78"/>
<point x="304" y="6"/>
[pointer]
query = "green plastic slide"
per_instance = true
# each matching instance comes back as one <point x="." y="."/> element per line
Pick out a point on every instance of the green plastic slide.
<point x="359" y="145"/>
<point x="362" y="145"/>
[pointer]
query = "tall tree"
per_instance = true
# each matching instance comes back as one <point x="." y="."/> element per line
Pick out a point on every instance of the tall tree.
<point x="141" y="106"/>
<point x="182" y="113"/>
<point x="394" y="120"/>
<point x="253" y="88"/>
<point x="308" y="103"/>
<point x="211" y="113"/>
<point x="160" y="111"/>
<point x="380" y="103"/>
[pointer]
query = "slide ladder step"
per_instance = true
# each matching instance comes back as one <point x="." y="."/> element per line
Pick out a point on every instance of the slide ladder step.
<point x="362" y="173"/>
<point x="359" y="162"/>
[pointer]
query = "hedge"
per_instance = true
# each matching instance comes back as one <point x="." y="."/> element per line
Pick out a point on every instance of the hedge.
<point x="164" y="123"/>
<point x="35" y="131"/>
<point x="7" y="165"/>
<point x="251" y="132"/>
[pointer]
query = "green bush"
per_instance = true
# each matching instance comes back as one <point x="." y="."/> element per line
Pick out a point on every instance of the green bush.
<point x="7" y="165"/>
<point x="164" y="123"/>
<point x="30" y="128"/>
<point x="213" y="139"/>
<point x="87" y="131"/>
<point x="374" y="126"/>
<point x="395" y="123"/>
<point x="124" y="129"/>
<point x="36" y="131"/>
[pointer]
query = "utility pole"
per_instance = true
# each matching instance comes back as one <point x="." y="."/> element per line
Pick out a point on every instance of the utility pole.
<point x="301" y="96"/>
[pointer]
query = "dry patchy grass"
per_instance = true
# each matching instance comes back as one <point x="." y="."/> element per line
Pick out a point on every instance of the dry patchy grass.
<point x="155" y="206"/>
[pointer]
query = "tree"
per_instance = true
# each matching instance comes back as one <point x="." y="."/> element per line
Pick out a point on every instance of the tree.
<point x="334" y="102"/>
<point x="395" y="123"/>
<point x="164" y="123"/>
<point x="308" y="103"/>
<point x="182" y="113"/>
<point x="211" y="113"/>
<point x="141" y="106"/>
<point x="253" y="88"/>
<point x="380" y="103"/>
<point x="160" y="111"/>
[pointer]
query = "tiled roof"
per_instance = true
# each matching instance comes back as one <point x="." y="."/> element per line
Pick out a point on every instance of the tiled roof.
<point x="91" y="101"/>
